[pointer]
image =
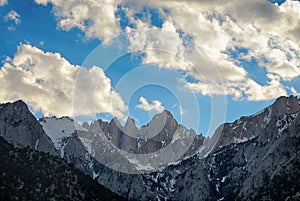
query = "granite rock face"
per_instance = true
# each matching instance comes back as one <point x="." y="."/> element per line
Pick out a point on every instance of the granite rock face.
<point x="19" y="127"/>
<point x="149" y="138"/>
<point x="247" y="128"/>
<point x="263" y="167"/>
<point x="163" y="139"/>
<point x="92" y="151"/>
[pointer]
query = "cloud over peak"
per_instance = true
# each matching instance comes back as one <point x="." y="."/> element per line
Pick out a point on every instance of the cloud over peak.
<point x="155" y="106"/>
<point x="50" y="84"/>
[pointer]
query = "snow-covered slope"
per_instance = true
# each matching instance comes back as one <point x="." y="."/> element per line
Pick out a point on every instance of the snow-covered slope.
<point x="59" y="130"/>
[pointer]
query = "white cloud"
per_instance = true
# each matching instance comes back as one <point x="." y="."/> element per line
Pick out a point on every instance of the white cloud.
<point x="3" y="2"/>
<point x="256" y="92"/>
<point x="269" y="32"/>
<point x="161" y="46"/>
<point x="212" y="88"/>
<point x="197" y="36"/>
<point x="294" y="91"/>
<point x="13" y="16"/>
<point x="49" y="83"/>
<point x="145" y="105"/>
<point x="95" y="18"/>
<point x="253" y="90"/>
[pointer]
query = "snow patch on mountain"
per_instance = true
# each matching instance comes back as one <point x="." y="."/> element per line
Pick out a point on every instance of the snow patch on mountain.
<point x="59" y="129"/>
<point x="36" y="144"/>
<point x="284" y="122"/>
<point x="95" y="175"/>
<point x="240" y="140"/>
<point x="268" y="117"/>
<point x="139" y="166"/>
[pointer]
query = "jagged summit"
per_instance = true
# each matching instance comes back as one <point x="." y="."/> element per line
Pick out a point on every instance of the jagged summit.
<point x="130" y="120"/>
<point x="249" y="127"/>
<point x="285" y="104"/>
<point x="164" y="113"/>
<point x="162" y="116"/>
<point x="19" y="127"/>
<point x="19" y="104"/>
<point x="287" y="97"/>
<point x="130" y="126"/>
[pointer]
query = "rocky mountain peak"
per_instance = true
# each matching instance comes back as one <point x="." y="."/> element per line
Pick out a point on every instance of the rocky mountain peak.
<point x="129" y="121"/>
<point x="130" y="127"/>
<point x="164" y="114"/>
<point x="115" y="122"/>
<point x="19" y="127"/>
<point x="18" y="105"/>
<point x="286" y="105"/>
<point x="252" y="126"/>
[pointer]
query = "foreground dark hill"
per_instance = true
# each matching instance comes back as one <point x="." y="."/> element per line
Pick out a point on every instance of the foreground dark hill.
<point x="26" y="175"/>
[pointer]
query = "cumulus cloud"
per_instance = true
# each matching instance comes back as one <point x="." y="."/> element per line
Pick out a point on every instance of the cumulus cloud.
<point x="50" y="84"/>
<point x="198" y="37"/>
<point x="3" y="2"/>
<point x="212" y="89"/>
<point x="155" y="106"/>
<point x="253" y="90"/>
<point x="267" y="31"/>
<point x="161" y="46"/>
<point x="294" y="91"/>
<point x="13" y="16"/>
<point x="273" y="89"/>
<point x="96" y="18"/>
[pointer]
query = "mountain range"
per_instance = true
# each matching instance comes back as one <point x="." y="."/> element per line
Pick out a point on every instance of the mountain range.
<point x="253" y="158"/>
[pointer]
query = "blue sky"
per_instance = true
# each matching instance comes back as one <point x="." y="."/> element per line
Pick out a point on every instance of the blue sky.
<point x="39" y="25"/>
<point x="147" y="50"/>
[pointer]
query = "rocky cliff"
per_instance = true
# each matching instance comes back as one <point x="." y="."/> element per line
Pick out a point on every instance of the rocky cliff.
<point x="19" y="127"/>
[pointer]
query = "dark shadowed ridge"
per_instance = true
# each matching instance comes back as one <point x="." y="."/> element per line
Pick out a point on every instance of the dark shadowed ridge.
<point x="29" y="175"/>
